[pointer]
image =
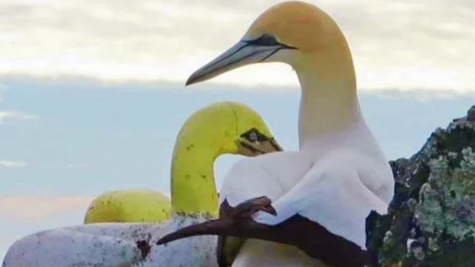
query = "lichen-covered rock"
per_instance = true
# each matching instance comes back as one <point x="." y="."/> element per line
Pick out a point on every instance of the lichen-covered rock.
<point x="431" y="222"/>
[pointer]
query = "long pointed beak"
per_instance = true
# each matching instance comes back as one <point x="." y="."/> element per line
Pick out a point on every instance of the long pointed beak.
<point x="274" y="146"/>
<point x="242" y="53"/>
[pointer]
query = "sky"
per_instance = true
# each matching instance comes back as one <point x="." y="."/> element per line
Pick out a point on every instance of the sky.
<point x="92" y="93"/>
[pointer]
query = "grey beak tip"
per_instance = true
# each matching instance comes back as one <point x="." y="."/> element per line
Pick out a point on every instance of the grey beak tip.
<point x="191" y="80"/>
<point x="188" y="82"/>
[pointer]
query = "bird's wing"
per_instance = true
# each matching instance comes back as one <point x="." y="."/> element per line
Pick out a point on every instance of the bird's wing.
<point x="324" y="215"/>
<point x="333" y="196"/>
<point x="271" y="175"/>
<point x="106" y="245"/>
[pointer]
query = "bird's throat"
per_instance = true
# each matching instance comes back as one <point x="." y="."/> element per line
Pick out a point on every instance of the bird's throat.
<point x="329" y="103"/>
<point x="193" y="189"/>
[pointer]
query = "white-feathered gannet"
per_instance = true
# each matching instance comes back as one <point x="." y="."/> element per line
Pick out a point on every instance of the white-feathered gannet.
<point x="321" y="194"/>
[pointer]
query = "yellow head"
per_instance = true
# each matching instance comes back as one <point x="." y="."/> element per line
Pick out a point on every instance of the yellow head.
<point x="289" y="32"/>
<point x="227" y="127"/>
<point x="220" y="128"/>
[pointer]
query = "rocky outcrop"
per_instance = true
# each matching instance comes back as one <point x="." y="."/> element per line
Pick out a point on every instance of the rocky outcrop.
<point x="431" y="222"/>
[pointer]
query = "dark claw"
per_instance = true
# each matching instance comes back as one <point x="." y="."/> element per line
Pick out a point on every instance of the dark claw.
<point x="239" y="218"/>
<point x="247" y="208"/>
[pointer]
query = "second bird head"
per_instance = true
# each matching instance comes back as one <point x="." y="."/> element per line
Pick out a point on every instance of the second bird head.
<point x="228" y="128"/>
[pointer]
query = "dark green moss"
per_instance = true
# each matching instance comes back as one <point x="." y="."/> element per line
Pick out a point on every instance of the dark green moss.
<point x="431" y="221"/>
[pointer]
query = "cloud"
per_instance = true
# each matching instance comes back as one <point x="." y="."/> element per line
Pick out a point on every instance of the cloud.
<point x="13" y="115"/>
<point x="24" y="208"/>
<point x="402" y="44"/>
<point x="12" y="164"/>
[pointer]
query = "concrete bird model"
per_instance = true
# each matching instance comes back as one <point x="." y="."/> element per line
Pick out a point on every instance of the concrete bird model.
<point x="132" y="205"/>
<point x="221" y="128"/>
<point x="153" y="206"/>
<point x="322" y="194"/>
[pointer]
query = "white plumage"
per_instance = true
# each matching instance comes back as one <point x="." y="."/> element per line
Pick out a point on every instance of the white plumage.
<point x="335" y="181"/>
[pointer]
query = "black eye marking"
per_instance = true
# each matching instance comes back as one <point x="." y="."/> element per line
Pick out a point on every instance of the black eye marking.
<point x="265" y="40"/>
<point x="268" y="40"/>
<point x="253" y="135"/>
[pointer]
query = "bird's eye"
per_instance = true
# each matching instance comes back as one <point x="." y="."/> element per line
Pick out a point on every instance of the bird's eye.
<point x="265" y="40"/>
<point x="268" y="40"/>
<point x="254" y="135"/>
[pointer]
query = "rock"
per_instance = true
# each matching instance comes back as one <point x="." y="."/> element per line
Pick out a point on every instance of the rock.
<point x="431" y="220"/>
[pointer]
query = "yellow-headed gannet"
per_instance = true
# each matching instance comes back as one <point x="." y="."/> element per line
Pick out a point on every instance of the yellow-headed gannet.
<point x="321" y="194"/>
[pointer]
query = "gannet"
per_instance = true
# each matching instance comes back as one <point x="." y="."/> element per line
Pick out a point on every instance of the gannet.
<point x="132" y="205"/>
<point x="311" y="203"/>
<point x="225" y="127"/>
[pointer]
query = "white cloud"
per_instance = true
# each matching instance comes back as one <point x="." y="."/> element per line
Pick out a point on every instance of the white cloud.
<point x="13" y="115"/>
<point x="12" y="164"/>
<point x="24" y="208"/>
<point x="402" y="44"/>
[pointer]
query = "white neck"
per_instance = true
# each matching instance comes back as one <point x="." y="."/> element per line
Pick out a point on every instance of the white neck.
<point x="329" y="104"/>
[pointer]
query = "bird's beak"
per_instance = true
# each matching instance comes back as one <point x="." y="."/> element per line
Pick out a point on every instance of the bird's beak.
<point x="242" y="53"/>
<point x="258" y="148"/>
